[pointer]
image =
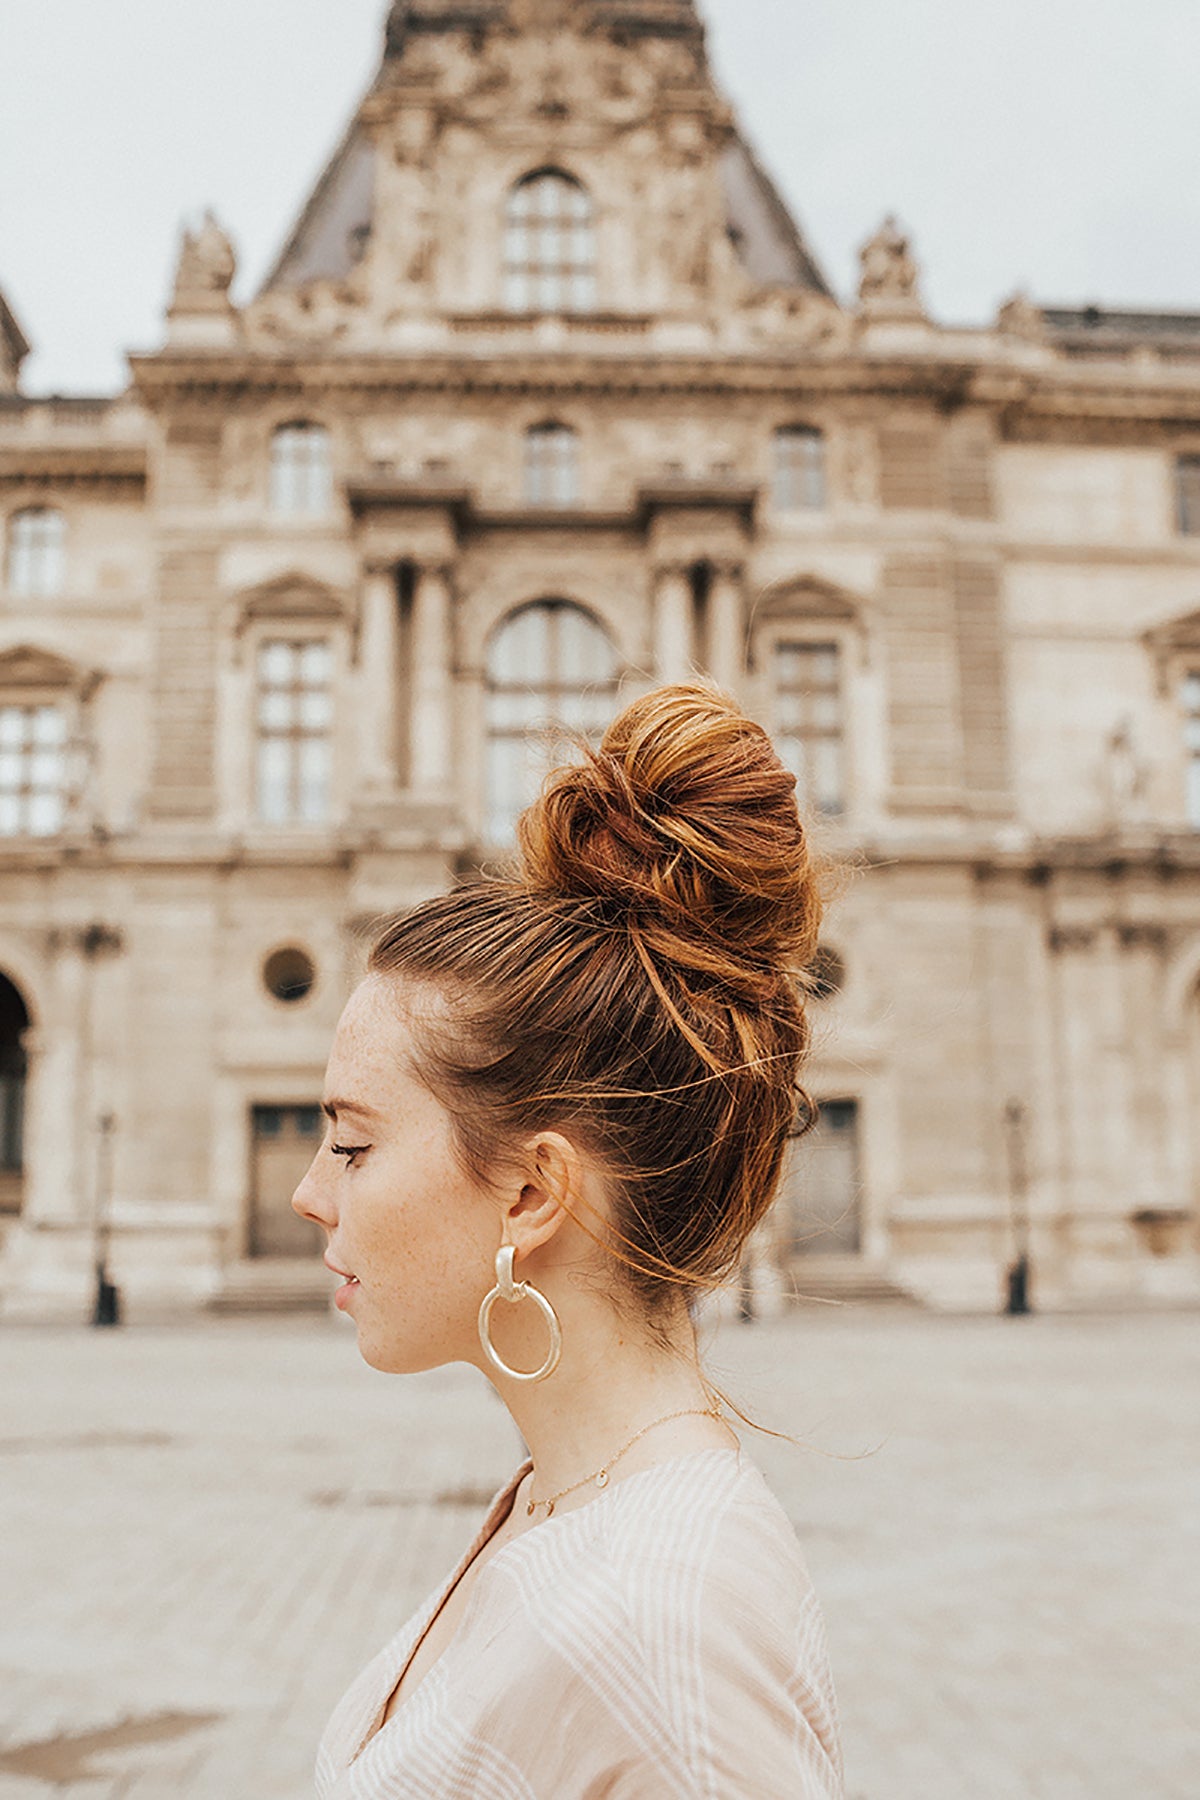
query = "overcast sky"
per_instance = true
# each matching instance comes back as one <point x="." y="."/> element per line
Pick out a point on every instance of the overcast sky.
<point x="1051" y="144"/>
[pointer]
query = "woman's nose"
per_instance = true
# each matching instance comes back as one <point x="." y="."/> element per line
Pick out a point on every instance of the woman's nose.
<point x="312" y="1200"/>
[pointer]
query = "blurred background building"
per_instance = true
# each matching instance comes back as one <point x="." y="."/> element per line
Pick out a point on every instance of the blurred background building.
<point x="547" y="400"/>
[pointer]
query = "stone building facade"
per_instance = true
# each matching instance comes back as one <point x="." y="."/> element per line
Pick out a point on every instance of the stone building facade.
<point x="548" y="400"/>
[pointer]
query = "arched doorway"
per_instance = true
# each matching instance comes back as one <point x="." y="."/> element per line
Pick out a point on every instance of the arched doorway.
<point x="14" y="1022"/>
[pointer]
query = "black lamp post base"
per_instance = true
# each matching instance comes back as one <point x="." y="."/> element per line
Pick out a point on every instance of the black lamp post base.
<point x="108" y="1302"/>
<point x="1018" y="1288"/>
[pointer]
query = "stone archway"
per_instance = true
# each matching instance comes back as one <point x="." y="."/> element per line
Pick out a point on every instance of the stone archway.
<point x="14" y="1062"/>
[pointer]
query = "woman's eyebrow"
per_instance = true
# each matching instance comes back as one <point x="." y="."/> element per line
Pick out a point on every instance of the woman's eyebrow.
<point x="333" y="1107"/>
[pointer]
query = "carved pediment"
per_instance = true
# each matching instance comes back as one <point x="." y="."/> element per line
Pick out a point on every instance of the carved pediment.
<point x="27" y="666"/>
<point x="1176" y="634"/>
<point x="808" y="597"/>
<point x="292" y="596"/>
<point x="1172" y="641"/>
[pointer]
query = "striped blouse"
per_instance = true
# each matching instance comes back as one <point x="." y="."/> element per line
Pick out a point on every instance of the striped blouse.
<point x="662" y="1642"/>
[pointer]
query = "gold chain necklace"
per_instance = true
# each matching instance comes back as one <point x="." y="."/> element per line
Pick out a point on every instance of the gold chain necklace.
<point x="600" y="1476"/>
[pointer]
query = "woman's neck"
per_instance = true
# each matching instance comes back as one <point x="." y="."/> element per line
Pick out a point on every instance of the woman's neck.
<point x="612" y="1381"/>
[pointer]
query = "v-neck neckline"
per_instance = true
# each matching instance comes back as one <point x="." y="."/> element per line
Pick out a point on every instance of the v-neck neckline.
<point x="498" y="1516"/>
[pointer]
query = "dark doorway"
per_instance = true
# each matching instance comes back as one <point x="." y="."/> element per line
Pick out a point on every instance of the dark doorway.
<point x="14" y="1022"/>
<point x="284" y="1141"/>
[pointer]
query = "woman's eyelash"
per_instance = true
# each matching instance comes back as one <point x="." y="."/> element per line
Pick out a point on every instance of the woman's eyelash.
<point x="349" y="1151"/>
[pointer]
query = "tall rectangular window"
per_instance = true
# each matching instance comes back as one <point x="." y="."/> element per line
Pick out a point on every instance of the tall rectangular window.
<point x="1191" y="739"/>
<point x="33" y="762"/>
<point x="294" y="761"/>
<point x="301" y="471"/>
<point x="37" y="553"/>
<point x="551" y="466"/>
<point x="809" y="731"/>
<point x="1187" y="495"/>
<point x="799" y="471"/>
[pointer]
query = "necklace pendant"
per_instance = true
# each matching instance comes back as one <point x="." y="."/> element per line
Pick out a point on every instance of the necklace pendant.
<point x="531" y="1509"/>
<point x="602" y="1479"/>
<point x="549" y="1509"/>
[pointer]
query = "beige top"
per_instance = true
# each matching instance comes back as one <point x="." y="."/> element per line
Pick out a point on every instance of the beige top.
<point x="661" y="1642"/>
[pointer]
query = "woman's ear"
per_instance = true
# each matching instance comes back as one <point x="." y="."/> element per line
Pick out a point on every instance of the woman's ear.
<point x="552" y="1178"/>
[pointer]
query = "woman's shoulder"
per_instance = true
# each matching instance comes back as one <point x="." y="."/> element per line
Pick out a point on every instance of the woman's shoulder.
<point x="706" y="1521"/>
<point x="713" y="1512"/>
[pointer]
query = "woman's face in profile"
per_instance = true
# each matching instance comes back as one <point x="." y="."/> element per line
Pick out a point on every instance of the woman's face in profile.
<point x="402" y="1216"/>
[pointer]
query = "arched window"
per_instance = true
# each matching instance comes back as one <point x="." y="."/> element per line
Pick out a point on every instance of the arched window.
<point x="550" y="246"/>
<point x="551" y="465"/>
<point x="799" y="469"/>
<point x="301" y="471"/>
<point x="37" y="552"/>
<point x="549" y="666"/>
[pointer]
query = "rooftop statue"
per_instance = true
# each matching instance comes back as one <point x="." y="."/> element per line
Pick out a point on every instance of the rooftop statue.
<point x="890" y="275"/>
<point x="206" y="268"/>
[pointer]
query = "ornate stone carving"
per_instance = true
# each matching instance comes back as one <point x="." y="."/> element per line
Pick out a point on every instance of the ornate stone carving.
<point x="206" y="268"/>
<point x="1126" y="776"/>
<point x="890" y="275"/>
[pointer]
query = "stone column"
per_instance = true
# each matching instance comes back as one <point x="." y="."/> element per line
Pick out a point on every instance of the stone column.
<point x="726" y="628"/>
<point x="379" y="671"/>
<point x="431" y="723"/>
<point x="673" y="624"/>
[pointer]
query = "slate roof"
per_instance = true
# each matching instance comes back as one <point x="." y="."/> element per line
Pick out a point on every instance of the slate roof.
<point x="332" y="230"/>
<point x="18" y="344"/>
<point x="335" y="224"/>
<point x="1101" y="329"/>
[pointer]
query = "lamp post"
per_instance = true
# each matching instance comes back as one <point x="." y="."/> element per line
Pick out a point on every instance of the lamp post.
<point x="107" y="1310"/>
<point x="1018" y="1301"/>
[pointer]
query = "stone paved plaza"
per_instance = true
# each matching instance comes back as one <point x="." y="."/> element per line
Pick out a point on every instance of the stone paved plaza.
<point x="207" y="1529"/>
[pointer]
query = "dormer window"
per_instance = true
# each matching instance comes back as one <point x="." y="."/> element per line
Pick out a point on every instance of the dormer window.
<point x="550" y="246"/>
<point x="37" y="553"/>
<point x="798" y="481"/>
<point x="551" y="466"/>
<point x="301" y="471"/>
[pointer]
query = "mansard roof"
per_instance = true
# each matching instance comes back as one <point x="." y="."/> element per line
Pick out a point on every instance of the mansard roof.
<point x="1115" y="329"/>
<point x="332" y="231"/>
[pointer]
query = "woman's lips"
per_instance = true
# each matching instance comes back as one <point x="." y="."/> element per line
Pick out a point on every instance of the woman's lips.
<point x="351" y="1282"/>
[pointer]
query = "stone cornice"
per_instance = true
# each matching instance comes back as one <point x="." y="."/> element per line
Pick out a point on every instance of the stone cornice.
<point x="1027" y="400"/>
<point x="73" y="463"/>
<point x="380" y="493"/>
<point x="167" y="379"/>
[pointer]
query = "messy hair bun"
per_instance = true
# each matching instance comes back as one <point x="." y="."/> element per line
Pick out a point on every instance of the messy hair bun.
<point x="686" y="820"/>
<point x="639" y="981"/>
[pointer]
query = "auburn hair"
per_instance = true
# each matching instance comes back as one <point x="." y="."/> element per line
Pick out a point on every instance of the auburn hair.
<point x="638" y="981"/>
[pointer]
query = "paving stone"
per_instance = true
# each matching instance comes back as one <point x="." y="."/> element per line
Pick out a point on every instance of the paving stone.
<point x="219" y="1523"/>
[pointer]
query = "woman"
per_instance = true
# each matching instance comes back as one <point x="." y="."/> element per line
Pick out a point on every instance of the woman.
<point x="559" y="1105"/>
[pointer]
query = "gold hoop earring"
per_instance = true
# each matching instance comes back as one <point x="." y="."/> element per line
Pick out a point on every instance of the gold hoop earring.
<point x="514" y="1292"/>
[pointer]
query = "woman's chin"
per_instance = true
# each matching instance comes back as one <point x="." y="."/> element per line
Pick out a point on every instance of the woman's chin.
<point x="398" y="1359"/>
